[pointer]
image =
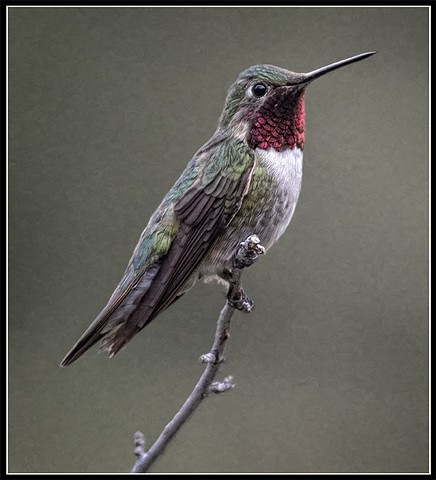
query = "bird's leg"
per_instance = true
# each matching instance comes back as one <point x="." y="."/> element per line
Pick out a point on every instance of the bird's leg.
<point x="238" y="299"/>
<point x="248" y="252"/>
<point x="235" y="295"/>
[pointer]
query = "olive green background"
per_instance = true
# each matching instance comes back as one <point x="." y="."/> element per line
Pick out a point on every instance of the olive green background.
<point x="106" y="106"/>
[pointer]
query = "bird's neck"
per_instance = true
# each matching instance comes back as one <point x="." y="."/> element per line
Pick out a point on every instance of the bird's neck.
<point x="279" y="123"/>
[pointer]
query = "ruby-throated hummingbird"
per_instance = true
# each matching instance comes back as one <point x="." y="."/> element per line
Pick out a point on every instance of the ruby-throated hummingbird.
<point x="245" y="180"/>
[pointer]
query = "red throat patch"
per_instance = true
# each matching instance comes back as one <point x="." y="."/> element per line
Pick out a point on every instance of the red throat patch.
<point x="279" y="123"/>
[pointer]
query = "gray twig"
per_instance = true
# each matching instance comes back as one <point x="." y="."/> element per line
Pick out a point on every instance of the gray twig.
<point x="246" y="255"/>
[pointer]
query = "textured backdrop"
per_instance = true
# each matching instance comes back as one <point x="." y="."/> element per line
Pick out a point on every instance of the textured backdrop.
<point x="107" y="105"/>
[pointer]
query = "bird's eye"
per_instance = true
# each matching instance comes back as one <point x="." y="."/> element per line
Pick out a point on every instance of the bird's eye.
<point x="259" y="90"/>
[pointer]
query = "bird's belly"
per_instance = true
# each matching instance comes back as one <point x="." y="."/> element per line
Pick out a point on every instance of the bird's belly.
<point x="266" y="209"/>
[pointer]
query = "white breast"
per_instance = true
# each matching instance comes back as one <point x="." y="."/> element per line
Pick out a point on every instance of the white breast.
<point x="286" y="166"/>
<point x="287" y="169"/>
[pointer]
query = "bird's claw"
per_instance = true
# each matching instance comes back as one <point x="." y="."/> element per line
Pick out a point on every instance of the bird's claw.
<point x="240" y="301"/>
<point x="249" y="251"/>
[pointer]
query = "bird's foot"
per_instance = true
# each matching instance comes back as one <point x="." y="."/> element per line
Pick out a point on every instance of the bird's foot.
<point x="239" y="300"/>
<point x="249" y="251"/>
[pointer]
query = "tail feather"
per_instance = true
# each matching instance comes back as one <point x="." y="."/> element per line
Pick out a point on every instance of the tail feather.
<point x="119" y="336"/>
<point x="112" y="321"/>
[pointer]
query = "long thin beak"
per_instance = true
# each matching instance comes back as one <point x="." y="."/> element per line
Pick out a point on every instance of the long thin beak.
<point x="308" y="77"/>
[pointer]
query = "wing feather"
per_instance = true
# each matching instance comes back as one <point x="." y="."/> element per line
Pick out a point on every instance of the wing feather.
<point x="202" y="216"/>
<point x="198" y="208"/>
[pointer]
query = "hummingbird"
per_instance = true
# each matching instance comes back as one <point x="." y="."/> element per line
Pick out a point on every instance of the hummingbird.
<point x="245" y="180"/>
